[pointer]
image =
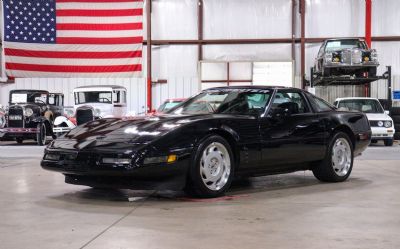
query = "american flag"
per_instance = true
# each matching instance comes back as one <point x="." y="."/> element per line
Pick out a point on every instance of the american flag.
<point x="73" y="38"/>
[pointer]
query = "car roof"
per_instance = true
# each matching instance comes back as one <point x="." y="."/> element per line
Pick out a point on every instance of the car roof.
<point x="349" y="98"/>
<point x="28" y="90"/>
<point x="101" y="86"/>
<point x="345" y="38"/>
<point x="258" y="87"/>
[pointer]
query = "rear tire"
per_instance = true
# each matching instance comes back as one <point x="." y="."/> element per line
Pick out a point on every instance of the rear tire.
<point x="212" y="168"/>
<point x="41" y="135"/>
<point x="388" y="142"/>
<point x="338" y="162"/>
<point x="19" y="140"/>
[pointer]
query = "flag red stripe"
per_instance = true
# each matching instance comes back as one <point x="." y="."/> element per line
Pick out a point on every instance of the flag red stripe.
<point x="83" y="12"/>
<point x="96" y="26"/>
<point x="69" y="55"/>
<point x="73" y="69"/>
<point x="110" y="41"/>
<point x="96" y="1"/>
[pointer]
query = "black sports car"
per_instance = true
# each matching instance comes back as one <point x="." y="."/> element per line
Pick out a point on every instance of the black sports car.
<point x="203" y="143"/>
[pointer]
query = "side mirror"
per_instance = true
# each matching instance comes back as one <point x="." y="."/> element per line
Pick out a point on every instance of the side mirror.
<point x="387" y="112"/>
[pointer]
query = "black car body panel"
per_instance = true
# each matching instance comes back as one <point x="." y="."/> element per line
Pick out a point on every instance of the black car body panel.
<point x="261" y="144"/>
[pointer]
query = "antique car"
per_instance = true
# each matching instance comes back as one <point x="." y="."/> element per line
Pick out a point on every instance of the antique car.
<point x="93" y="102"/>
<point x="31" y="114"/>
<point x="381" y="123"/>
<point x="347" y="56"/>
<point x="200" y="145"/>
<point x="169" y="104"/>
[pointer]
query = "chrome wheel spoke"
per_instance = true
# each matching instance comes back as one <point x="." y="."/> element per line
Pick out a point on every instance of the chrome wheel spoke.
<point x="215" y="166"/>
<point x="341" y="157"/>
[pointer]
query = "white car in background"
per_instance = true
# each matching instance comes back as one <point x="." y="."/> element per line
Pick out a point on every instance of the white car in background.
<point x="93" y="102"/>
<point x="382" y="125"/>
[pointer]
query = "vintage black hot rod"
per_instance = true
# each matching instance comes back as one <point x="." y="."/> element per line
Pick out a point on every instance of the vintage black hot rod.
<point x="30" y="115"/>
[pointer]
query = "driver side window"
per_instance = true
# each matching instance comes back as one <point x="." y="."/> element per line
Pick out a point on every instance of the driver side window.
<point x="293" y="101"/>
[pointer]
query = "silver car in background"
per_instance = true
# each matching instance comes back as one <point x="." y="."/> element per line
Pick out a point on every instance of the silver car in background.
<point x="347" y="56"/>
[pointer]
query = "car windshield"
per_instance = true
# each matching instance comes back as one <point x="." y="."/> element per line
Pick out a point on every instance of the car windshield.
<point x="361" y="105"/>
<point x="93" y="97"/>
<point x="168" y="106"/>
<point x="226" y="101"/>
<point x="344" y="44"/>
<point x="30" y="97"/>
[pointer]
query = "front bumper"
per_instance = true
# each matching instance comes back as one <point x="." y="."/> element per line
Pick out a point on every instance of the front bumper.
<point x="61" y="130"/>
<point x="87" y="169"/>
<point x="382" y="133"/>
<point x="350" y="66"/>
<point x="17" y="132"/>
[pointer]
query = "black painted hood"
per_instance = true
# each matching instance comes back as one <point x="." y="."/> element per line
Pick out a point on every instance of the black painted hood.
<point x="112" y="131"/>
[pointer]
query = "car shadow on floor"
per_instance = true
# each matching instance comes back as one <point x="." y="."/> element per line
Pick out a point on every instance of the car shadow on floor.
<point x="270" y="187"/>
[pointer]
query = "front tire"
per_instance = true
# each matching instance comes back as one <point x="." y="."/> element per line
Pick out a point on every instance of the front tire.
<point x="212" y="168"/>
<point x="19" y="140"/>
<point x="338" y="162"/>
<point x="388" y="142"/>
<point x="41" y="135"/>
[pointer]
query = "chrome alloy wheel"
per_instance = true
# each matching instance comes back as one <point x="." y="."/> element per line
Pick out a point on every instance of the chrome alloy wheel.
<point x="215" y="166"/>
<point x="341" y="157"/>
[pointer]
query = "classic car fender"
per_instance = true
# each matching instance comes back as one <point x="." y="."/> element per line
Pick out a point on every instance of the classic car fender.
<point x="44" y="120"/>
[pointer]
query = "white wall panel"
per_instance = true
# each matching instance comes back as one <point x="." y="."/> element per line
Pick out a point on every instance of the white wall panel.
<point x="385" y="17"/>
<point x="229" y="19"/>
<point x="338" y="18"/>
<point x="174" y="19"/>
<point x="249" y="52"/>
<point x="174" y="61"/>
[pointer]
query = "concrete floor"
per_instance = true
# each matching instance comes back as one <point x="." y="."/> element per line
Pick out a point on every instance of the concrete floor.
<point x="38" y="210"/>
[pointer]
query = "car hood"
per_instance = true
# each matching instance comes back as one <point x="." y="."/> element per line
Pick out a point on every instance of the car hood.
<point x="378" y="116"/>
<point x="137" y="130"/>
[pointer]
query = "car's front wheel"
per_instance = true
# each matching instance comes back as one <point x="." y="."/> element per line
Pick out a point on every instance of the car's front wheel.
<point x="212" y="168"/>
<point x="338" y="162"/>
<point x="388" y="142"/>
<point x="41" y="135"/>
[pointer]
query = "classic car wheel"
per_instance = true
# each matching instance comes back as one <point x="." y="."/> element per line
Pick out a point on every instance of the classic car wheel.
<point x="41" y="135"/>
<point x="338" y="163"/>
<point x="388" y="142"/>
<point x="212" y="169"/>
<point x="19" y="140"/>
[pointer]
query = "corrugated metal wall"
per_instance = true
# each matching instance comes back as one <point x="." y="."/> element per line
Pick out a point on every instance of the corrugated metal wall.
<point x="175" y="88"/>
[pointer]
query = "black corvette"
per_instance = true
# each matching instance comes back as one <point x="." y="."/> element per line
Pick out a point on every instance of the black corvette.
<point x="201" y="144"/>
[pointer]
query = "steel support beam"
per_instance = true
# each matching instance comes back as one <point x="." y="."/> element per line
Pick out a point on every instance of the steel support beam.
<point x="303" y="42"/>
<point x="368" y="21"/>
<point x="149" y="45"/>
<point x="368" y="14"/>
<point x="200" y="15"/>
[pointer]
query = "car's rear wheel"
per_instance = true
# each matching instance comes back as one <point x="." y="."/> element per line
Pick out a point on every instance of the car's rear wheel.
<point x="388" y="142"/>
<point x="338" y="162"/>
<point x="19" y="140"/>
<point x="212" y="168"/>
<point x="41" y="135"/>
